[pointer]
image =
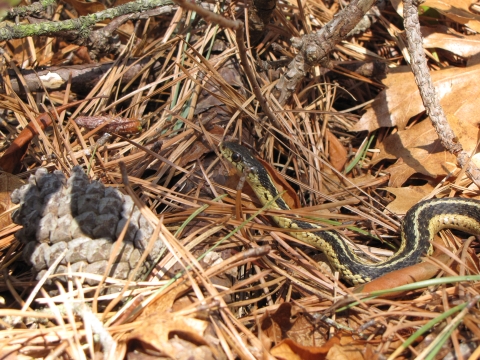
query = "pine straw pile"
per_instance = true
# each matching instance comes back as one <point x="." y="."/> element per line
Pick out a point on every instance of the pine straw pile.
<point x="223" y="282"/>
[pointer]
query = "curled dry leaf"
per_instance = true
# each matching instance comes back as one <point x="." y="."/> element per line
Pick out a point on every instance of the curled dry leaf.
<point x="110" y="124"/>
<point x="12" y="157"/>
<point x="348" y="349"/>
<point x="418" y="272"/>
<point x="164" y="302"/>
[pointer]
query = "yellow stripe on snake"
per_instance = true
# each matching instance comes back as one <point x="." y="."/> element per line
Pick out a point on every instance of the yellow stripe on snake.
<point x="419" y="226"/>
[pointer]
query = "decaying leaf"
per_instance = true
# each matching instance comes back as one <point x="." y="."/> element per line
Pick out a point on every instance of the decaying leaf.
<point x="157" y="331"/>
<point x="285" y="324"/>
<point x="406" y="197"/>
<point x="419" y="150"/>
<point x="456" y="88"/>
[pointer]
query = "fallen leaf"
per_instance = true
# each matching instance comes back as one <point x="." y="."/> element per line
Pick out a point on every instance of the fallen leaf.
<point x="196" y="151"/>
<point x="121" y="2"/>
<point x="290" y="196"/>
<point x="156" y="331"/>
<point x="12" y="157"/>
<point x="455" y="10"/>
<point x="290" y="350"/>
<point x="85" y="8"/>
<point x="406" y="197"/>
<point x="446" y="38"/>
<point x="339" y="352"/>
<point x="408" y="275"/>
<point x="419" y="150"/>
<point x="418" y="272"/>
<point x="456" y="88"/>
<point x="338" y="153"/>
<point x="284" y="324"/>
<point x="164" y="302"/>
<point x="127" y="29"/>
<point x="83" y="55"/>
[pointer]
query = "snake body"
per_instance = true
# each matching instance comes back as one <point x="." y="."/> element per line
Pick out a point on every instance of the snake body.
<point x="419" y="226"/>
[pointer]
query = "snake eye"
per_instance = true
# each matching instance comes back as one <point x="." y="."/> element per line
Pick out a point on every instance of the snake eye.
<point x="236" y="157"/>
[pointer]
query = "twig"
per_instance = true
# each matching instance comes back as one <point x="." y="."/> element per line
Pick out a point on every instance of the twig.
<point x="33" y="9"/>
<point x="427" y="91"/>
<point x="209" y="16"/>
<point x="314" y="48"/>
<point x="82" y="24"/>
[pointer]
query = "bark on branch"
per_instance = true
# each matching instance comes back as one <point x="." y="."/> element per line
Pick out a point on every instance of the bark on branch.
<point x="33" y="9"/>
<point x="314" y="48"/>
<point x="82" y="25"/>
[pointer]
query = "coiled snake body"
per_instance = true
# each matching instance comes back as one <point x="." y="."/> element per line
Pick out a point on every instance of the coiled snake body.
<point x="419" y="226"/>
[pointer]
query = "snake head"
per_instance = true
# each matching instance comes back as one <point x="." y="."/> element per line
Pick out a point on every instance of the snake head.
<point x="240" y="158"/>
<point x="257" y="176"/>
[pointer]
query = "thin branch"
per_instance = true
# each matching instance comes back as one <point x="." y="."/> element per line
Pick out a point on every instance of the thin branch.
<point x="33" y="9"/>
<point x="314" y="48"/>
<point x="209" y="16"/>
<point x="82" y="25"/>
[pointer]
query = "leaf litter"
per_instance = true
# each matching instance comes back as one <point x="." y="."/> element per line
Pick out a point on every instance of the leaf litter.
<point x="230" y="287"/>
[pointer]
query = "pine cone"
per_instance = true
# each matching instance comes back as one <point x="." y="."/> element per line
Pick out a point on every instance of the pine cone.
<point x="84" y="217"/>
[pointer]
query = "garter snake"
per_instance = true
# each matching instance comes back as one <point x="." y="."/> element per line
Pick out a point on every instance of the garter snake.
<point x="419" y="226"/>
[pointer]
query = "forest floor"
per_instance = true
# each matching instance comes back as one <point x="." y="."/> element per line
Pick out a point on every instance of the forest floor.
<point x="155" y="247"/>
